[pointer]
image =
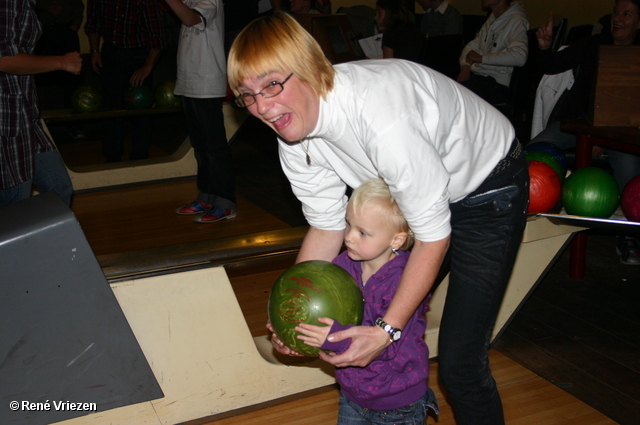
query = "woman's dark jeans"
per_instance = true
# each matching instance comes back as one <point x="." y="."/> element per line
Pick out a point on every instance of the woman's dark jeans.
<point x="487" y="231"/>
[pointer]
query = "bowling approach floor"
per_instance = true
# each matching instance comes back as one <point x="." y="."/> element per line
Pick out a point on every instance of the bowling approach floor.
<point x="570" y="355"/>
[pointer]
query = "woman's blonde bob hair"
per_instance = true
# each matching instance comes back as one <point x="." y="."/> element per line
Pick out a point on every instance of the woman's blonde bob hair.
<point x="278" y="43"/>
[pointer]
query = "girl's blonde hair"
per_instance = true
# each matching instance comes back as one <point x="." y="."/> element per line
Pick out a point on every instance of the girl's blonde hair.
<point x="278" y="43"/>
<point x="375" y="193"/>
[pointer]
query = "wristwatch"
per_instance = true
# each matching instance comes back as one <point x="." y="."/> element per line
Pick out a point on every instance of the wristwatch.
<point x="394" y="334"/>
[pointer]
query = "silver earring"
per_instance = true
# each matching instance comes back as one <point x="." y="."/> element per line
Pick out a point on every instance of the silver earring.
<point x="395" y="251"/>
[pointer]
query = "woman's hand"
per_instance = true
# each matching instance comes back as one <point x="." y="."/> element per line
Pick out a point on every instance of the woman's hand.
<point x="367" y="342"/>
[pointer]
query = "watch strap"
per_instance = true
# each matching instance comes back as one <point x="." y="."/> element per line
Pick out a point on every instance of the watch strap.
<point x="394" y="334"/>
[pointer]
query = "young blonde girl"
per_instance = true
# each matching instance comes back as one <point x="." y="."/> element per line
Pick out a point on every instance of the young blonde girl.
<point x="393" y="388"/>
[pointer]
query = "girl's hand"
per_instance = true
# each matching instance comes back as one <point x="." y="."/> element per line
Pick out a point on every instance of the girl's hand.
<point x="313" y="335"/>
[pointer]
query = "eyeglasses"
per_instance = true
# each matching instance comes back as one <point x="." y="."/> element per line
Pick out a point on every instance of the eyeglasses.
<point x="273" y="89"/>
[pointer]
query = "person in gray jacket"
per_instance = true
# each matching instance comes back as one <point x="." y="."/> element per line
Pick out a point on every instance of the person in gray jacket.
<point x="487" y="61"/>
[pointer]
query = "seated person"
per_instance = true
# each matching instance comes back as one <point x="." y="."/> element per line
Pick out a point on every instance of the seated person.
<point x="401" y="38"/>
<point x="440" y="18"/>
<point x="574" y="103"/>
<point x="487" y="61"/>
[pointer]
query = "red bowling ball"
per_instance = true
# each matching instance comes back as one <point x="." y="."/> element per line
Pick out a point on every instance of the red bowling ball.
<point x="544" y="187"/>
<point x="630" y="199"/>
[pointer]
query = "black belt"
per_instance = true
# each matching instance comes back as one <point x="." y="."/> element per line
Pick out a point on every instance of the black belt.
<point x="514" y="153"/>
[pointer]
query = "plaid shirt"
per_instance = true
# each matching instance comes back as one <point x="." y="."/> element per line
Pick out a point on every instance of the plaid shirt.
<point x="21" y="135"/>
<point x="127" y="24"/>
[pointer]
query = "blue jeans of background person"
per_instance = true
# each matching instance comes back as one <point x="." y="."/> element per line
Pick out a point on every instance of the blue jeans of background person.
<point x="50" y="174"/>
<point x="118" y="65"/>
<point x="216" y="176"/>
<point x="351" y="413"/>
<point x="487" y="229"/>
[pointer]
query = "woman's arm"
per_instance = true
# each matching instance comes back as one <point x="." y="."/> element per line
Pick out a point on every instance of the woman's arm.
<point x="320" y="245"/>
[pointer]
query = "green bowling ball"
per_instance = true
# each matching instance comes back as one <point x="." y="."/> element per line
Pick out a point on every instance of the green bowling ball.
<point x="590" y="192"/>
<point x="308" y="291"/>
<point x="165" y="97"/>
<point x="86" y="98"/>
<point x="138" y="97"/>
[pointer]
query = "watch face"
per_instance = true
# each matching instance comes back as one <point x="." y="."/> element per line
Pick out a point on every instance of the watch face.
<point x="396" y="335"/>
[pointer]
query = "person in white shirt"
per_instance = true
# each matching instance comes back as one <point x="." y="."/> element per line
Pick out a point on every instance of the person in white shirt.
<point x="450" y="160"/>
<point x="202" y="83"/>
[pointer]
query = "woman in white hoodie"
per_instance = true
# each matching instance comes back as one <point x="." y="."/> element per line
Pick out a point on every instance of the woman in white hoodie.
<point x="487" y="61"/>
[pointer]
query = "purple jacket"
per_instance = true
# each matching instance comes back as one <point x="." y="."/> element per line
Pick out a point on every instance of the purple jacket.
<point x="398" y="376"/>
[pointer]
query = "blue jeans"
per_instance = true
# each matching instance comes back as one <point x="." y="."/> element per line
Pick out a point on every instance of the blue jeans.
<point x="487" y="229"/>
<point x="216" y="177"/>
<point x="416" y="413"/>
<point x="50" y="174"/>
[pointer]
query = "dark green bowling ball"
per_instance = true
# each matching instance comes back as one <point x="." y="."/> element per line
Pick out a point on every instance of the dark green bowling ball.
<point x="138" y="97"/>
<point x="86" y="98"/>
<point x="165" y="97"/>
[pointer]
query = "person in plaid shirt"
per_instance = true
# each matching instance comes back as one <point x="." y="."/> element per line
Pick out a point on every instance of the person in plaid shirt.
<point x="27" y="155"/>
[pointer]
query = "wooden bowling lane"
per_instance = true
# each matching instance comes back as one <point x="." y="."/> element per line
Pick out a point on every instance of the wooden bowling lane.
<point x="143" y="216"/>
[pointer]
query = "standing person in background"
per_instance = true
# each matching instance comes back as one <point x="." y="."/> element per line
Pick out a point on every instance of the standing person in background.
<point x="202" y="83"/>
<point x="133" y="37"/>
<point x="61" y="20"/>
<point x="487" y="61"/>
<point x="440" y="18"/>
<point x="27" y="155"/>
<point x="401" y="39"/>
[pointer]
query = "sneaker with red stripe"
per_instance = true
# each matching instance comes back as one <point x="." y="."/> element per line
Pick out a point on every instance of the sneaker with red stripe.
<point x="215" y="214"/>
<point x="196" y="207"/>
